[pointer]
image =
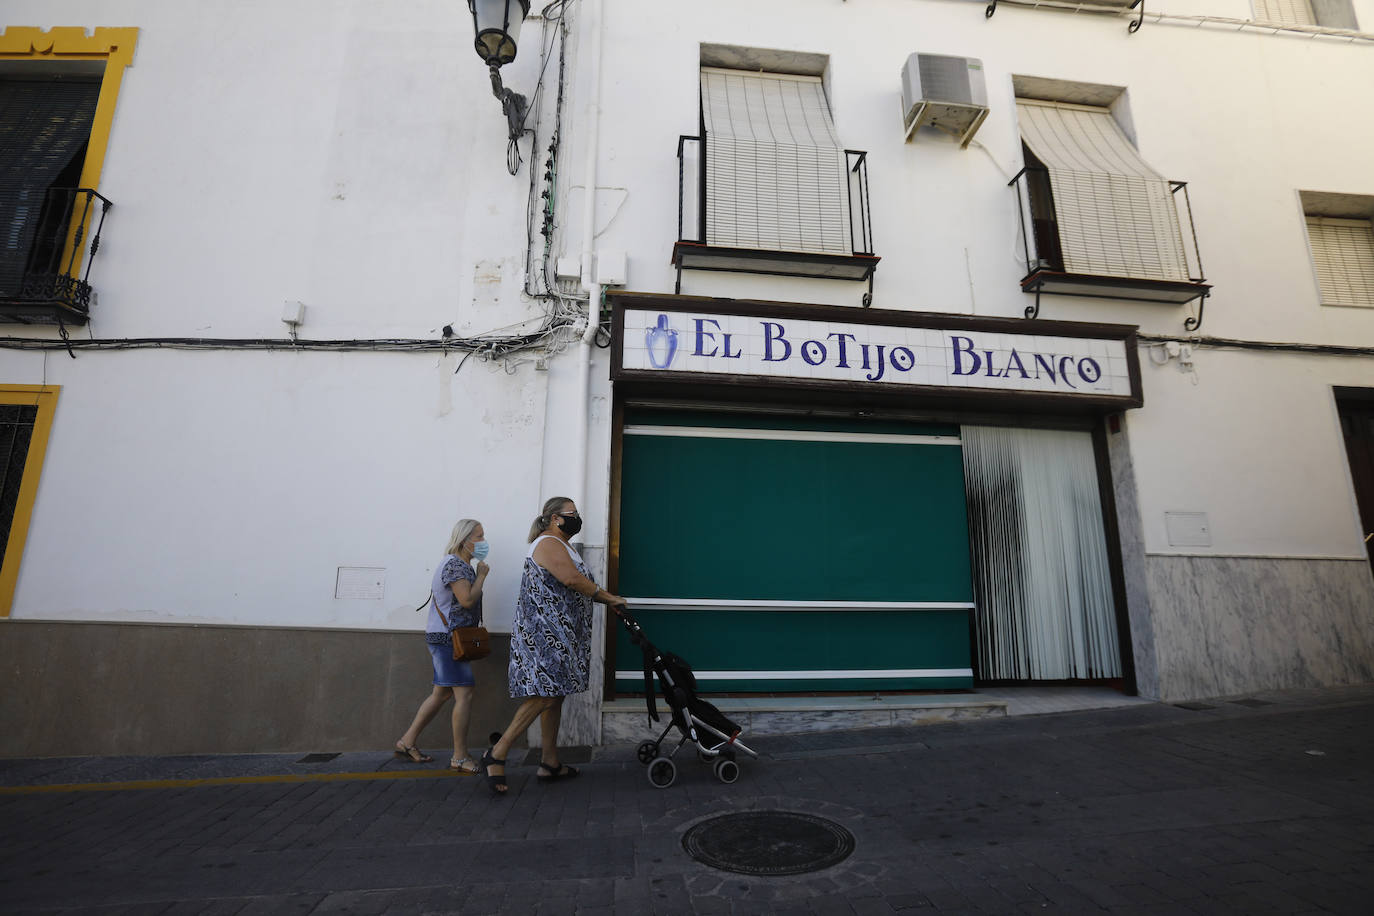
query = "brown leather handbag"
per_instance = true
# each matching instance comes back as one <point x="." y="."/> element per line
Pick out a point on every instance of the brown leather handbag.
<point x="469" y="643"/>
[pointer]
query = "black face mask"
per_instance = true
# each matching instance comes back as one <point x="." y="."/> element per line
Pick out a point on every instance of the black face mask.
<point x="571" y="524"/>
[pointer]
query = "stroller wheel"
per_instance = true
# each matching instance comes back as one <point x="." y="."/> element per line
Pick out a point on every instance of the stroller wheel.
<point x="646" y="751"/>
<point x="727" y="771"/>
<point x="662" y="773"/>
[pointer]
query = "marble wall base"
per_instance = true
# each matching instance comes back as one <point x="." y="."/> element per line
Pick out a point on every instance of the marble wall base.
<point x="1230" y="625"/>
<point x="581" y="724"/>
<point x="627" y="722"/>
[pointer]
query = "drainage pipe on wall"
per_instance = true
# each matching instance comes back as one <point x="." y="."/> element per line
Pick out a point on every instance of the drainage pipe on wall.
<point x="591" y="28"/>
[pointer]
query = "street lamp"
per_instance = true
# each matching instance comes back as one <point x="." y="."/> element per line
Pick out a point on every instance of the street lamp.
<point x="497" y="27"/>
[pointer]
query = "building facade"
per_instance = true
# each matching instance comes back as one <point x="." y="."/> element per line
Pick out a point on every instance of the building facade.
<point x="932" y="344"/>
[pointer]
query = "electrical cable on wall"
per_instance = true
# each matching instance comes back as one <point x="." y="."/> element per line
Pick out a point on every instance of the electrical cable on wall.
<point x="1224" y="343"/>
<point x="487" y="347"/>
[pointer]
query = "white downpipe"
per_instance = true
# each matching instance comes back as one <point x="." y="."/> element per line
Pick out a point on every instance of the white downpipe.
<point x="592" y="33"/>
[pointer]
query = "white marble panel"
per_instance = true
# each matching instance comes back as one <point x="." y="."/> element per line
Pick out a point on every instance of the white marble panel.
<point x="1231" y="625"/>
<point x="626" y="722"/>
<point x="1132" y="539"/>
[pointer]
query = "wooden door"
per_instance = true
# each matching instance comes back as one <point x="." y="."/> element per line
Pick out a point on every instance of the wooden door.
<point x="1357" y="424"/>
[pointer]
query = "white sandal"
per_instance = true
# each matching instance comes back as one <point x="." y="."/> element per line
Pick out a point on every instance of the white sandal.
<point x="455" y="763"/>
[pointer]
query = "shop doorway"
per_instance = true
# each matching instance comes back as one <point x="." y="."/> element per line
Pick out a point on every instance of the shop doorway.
<point x="1356" y="408"/>
<point x="1042" y="573"/>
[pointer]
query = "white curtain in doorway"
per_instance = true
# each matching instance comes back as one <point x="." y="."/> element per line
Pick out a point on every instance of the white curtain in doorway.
<point x="1041" y="578"/>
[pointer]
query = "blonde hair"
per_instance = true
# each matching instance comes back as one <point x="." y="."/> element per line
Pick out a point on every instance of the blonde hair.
<point x="545" y="518"/>
<point x="461" y="532"/>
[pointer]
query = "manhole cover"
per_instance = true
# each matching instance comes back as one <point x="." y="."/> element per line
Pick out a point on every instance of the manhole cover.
<point x="1195" y="707"/>
<point x="768" y="843"/>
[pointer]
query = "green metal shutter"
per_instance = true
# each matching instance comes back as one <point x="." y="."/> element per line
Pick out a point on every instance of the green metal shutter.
<point x="796" y="559"/>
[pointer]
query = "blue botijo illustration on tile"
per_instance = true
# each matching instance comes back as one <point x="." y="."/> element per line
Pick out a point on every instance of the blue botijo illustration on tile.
<point x="661" y="342"/>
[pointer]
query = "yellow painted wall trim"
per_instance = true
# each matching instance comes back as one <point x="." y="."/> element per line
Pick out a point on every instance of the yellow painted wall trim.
<point x="44" y="397"/>
<point x="69" y="42"/>
<point x="114" y="46"/>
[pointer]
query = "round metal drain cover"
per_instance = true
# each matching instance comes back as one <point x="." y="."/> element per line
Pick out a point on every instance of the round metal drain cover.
<point x="768" y="843"/>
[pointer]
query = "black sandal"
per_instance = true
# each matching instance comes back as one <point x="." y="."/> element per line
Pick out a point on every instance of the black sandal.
<point x="562" y="771"/>
<point x="495" y="781"/>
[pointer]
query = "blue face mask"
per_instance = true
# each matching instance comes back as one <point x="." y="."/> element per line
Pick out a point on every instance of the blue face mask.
<point x="479" y="550"/>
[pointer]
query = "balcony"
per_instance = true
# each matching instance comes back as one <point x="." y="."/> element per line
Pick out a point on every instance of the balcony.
<point x="45" y="236"/>
<point x="1125" y="238"/>
<point x="775" y="227"/>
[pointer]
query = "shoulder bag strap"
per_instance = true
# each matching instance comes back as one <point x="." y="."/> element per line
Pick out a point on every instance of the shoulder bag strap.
<point x="435" y="598"/>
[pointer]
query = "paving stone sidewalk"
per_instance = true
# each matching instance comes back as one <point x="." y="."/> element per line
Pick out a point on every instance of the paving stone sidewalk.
<point x="1259" y="804"/>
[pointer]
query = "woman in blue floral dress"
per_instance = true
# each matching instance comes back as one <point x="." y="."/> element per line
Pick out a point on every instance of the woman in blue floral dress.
<point x="550" y="647"/>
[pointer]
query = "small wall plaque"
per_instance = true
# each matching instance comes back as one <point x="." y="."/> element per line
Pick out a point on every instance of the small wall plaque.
<point x="367" y="583"/>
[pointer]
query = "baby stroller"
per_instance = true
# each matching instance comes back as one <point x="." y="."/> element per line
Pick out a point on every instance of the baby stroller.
<point x="715" y="736"/>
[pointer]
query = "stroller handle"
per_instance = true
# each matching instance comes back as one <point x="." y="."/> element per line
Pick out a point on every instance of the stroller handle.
<point x="637" y="637"/>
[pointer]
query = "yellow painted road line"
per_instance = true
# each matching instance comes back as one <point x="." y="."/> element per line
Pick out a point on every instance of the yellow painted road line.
<point x="223" y="781"/>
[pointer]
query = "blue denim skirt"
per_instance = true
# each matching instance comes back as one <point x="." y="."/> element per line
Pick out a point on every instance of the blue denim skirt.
<point x="447" y="672"/>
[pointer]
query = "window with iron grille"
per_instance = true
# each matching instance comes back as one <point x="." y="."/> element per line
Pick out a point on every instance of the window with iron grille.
<point x="45" y="129"/>
<point x="776" y="174"/>
<point x="1098" y="207"/>
<point x="16" y="430"/>
<point x="26" y="415"/>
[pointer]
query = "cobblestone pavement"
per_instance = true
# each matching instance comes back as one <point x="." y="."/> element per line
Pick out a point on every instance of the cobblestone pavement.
<point x="1260" y="804"/>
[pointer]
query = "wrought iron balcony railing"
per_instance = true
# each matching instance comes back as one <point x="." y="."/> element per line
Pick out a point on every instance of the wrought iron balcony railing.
<point x="1129" y="238"/>
<point x="846" y="258"/>
<point x="48" y="240"/>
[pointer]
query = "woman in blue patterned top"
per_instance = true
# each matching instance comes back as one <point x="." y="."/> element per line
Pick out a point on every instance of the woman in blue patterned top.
<point x="455" y="601"/>
<point x="550" y="645"/>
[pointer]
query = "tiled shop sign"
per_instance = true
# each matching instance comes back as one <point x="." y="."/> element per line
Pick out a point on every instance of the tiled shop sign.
<point x="687" y="342"/>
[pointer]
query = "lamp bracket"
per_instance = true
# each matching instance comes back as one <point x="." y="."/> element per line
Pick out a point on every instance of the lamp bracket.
<point x="512" y="103"/>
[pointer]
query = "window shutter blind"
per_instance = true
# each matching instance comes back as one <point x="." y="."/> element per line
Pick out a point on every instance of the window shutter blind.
<point x="1041" y="575"/>
<point x="1343" y="252"/>
<point x="44" y="124"/>
<point x="1288" y="12"/>
<point x="1116" y="215"/>
<point x="775" y="170"/>
<point x="44" y="127"/>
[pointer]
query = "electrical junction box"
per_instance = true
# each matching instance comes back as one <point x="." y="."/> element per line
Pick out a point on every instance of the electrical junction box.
<point x="1188" y="529"/>
<point x="293" y="313"/>
<point x="568" y="268"/>
<point x="611" y="267"/>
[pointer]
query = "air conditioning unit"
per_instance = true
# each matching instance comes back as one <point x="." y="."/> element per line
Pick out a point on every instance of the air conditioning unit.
<point x="947" y="93"/>
<point x="1106" y="6"/>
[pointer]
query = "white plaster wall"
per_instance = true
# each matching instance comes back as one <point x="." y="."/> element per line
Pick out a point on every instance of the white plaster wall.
<point x="1246" y="117"/>
<point x="229" y="487"/>
<point x="345" y="154"/>
<point x="348" y="155"/>
<point x="1253" y="440"/>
